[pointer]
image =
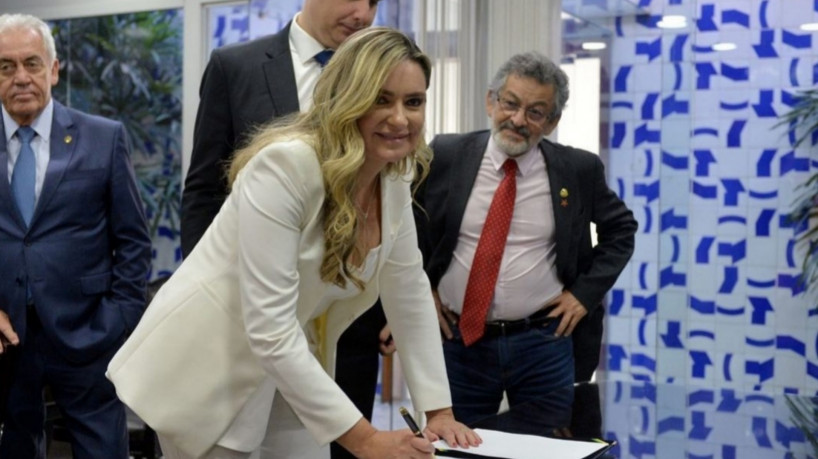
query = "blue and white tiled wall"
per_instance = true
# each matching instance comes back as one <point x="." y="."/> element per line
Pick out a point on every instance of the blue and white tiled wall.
<point x="673" y="421"/>
<point x="244" y="21"/>
<point x="711" y="298"/>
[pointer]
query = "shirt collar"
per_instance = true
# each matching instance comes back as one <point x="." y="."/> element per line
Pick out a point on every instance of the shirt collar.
<point x="41" y="124"/>
<point x="306" y="47"/>
<point x="525" y="161"/>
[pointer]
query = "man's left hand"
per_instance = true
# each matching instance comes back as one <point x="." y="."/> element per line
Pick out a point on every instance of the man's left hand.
<point x="387" y="344"/>
<point x="571" y="311"/>
<point x="7" y="335"/>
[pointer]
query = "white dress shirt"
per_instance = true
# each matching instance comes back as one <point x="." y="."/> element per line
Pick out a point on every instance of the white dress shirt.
<point x="528" y="273"/>
<point x="39" y="145"/>
<point x="306" y="69"/>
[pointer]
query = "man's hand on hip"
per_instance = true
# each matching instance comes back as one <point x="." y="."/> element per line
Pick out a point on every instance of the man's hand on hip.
<point x="443" y="317"/>
<point x="387" y="344"/>
<point x="570" y="310"/>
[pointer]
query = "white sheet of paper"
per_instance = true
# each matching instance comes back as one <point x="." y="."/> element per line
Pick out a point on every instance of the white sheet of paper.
<point x="518" y="446"/>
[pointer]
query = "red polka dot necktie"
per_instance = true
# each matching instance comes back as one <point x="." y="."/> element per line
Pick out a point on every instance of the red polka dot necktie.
<point x="487" y="258"/>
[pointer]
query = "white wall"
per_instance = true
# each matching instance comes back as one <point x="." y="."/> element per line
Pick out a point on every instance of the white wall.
<point x="64" y="9"/>
<point x="579" y="125"/>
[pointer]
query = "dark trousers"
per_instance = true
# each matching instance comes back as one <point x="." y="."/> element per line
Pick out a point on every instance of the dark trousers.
<point x="92" y="413"/>
<point x="587" y="337"/>
<point x="526" y="365"/>
<point x="5" y="380"/>
<point x="356" y="366"/>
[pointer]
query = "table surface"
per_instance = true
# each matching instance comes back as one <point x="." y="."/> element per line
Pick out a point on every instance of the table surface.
<point x="672" y="421"/>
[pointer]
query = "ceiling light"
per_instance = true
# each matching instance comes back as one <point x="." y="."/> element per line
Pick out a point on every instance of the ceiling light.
<point x="810" y="27"/>
<point x="724" y="46"/>
<point x="593" y="45"/>
<point x="672" y="22"/>
<point x="569" y="17"/>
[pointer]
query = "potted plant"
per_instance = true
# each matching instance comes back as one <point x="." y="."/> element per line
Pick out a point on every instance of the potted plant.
<point x="802" y="127"/>
<point x="128" y="67"/>
<point x="804" y="414"/>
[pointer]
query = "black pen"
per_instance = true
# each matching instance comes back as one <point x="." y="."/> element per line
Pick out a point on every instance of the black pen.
<point x="410" y="421"/>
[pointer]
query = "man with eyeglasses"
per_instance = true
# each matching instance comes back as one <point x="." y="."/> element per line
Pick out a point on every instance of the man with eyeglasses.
<point x="504" y="226"/>
<point x="74" y="254"/>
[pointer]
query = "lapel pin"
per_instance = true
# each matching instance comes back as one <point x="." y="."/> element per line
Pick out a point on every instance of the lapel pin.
<point x="68" y="139"/>
<point x="564" y="196"/>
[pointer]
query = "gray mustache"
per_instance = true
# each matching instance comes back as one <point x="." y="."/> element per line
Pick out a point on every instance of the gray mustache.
<point x="521" y="130"/>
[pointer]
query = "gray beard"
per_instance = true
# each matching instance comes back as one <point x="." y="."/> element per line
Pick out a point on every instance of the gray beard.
<point x="512" y="149"/>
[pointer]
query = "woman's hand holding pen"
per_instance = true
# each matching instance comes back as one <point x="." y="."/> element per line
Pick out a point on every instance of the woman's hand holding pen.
<point x="398" y="444"/>
<point x="441" y="424"/>
<point x="366" y="442"/>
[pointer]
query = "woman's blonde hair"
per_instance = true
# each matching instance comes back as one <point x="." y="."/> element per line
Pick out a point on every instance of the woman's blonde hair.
<point x="347" y="89"/>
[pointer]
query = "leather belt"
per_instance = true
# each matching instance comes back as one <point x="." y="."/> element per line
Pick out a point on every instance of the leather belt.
<point x="509" y="327"/>
<point x="497" y="328"/>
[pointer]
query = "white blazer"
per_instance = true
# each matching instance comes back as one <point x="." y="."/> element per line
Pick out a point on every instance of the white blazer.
<point x="238" y="313"/>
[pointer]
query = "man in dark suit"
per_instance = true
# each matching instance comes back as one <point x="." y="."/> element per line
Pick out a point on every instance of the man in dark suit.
<point x="248" y="85"/>
<point x="75" y="253"/>
<point x="508" y="315"/>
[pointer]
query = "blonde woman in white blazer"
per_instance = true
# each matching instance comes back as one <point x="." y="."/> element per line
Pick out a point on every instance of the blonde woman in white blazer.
<point x="233" y="357"/>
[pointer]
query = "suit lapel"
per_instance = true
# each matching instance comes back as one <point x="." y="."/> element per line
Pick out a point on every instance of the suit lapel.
<point x="62" y="143"/>
<point x="278" y="72"/>
<point x="561" y="177"/>
<point x="464" y="169"/>
<point x="391" y="215"/>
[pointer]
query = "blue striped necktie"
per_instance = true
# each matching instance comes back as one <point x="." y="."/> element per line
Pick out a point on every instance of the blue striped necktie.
<point x="24" y="175"/>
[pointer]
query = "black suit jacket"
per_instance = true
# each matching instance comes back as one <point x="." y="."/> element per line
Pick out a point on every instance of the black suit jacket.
<point x="244" y="85"/>
<point x="588" y="272"/>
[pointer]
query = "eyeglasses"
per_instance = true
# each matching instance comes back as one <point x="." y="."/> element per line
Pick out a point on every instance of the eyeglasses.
<point x="532" y="114"/>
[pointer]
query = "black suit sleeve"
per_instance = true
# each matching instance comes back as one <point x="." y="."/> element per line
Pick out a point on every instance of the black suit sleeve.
<point x="436" y="216"/>
<point x="615" y="228"/>
<point x="421" y="214"/>
<point x="213" y="143"/>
